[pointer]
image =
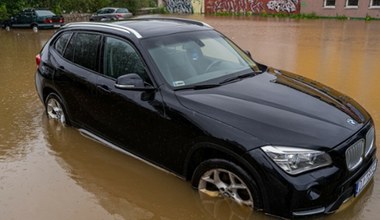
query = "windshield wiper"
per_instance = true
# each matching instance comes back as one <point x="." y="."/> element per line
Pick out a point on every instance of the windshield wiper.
<point x="205" y="86"/>
<point x="200" y="86"/>
<point x="238" y="77"/>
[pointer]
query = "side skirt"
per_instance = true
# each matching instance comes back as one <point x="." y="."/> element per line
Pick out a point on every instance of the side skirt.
<point x="100" y="140"/>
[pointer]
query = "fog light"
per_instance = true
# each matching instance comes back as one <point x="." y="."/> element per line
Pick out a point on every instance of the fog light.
<point x="313" y="194"/>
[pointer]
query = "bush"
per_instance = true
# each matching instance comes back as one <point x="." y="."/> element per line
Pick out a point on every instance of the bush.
<point x="3" y="12"/>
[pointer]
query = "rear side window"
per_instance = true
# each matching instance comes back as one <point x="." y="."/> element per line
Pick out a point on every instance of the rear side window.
<point x="60" y="44"/>
<point x="83" y="50"/>
<point x="109" y="11"/>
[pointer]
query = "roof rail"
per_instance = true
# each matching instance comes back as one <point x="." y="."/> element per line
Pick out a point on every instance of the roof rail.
<point x="106" y="25"/>
<point x="188" y="21"/>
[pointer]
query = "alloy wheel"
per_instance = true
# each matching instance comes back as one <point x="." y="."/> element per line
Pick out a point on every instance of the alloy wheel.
<point x="224" y="183"/>
<point x="55" y="111"/>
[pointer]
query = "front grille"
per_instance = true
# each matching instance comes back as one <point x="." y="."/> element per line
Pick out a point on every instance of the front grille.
<point x="354" y="154"/>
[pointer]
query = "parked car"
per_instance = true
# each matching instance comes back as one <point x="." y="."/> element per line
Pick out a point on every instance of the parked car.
<point x="111" y="14"/>
<point x="180" y="95"/>
<point x="35" y="19"/>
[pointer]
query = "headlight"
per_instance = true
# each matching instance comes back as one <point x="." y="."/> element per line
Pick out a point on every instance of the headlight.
<point x="297" y="160"/>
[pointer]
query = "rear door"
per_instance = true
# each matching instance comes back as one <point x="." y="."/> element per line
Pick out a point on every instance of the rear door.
<point x="21" y="20"/>
<point x="76" y="75"/>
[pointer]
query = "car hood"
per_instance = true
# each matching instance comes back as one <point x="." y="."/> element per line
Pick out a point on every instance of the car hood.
<point x="280" y="108"/>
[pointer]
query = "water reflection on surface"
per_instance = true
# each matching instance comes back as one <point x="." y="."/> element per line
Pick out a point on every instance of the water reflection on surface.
<point x="52" y="172"/>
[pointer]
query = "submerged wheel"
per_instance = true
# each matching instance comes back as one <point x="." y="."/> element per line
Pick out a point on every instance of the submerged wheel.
<point x="35" y="28"/>
<point x="55" y="109"/>
<point x="221" y="178"/>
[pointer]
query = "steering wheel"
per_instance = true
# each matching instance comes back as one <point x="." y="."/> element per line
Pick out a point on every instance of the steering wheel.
<point x="212" y="64"/>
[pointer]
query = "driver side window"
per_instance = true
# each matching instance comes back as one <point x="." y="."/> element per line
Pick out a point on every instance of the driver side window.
<point x="121" y="58"/>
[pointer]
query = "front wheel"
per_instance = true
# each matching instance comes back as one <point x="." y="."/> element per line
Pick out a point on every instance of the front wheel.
<point x="221" y="178"/>
<point x="55" y="109"/>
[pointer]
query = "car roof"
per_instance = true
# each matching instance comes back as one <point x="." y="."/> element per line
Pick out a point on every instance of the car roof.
<point x="109" y="8"/>
<point x="146" y="27"/>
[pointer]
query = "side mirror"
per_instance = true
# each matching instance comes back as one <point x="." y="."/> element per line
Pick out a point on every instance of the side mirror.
<point x="131" y="81"/>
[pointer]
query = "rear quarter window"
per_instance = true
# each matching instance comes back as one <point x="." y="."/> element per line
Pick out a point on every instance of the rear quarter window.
<point x="83" y="50"/>
<point x="61" y="42"/>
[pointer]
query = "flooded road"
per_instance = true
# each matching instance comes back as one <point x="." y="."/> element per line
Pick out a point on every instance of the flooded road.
<point x="52" y="172"/>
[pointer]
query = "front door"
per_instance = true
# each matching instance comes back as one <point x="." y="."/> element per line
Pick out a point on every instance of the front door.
<point x="132" y="119"/>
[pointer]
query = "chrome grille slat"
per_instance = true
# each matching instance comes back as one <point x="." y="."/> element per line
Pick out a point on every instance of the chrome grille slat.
<point x="354" y="154"/>
<point x="369" y="140"/>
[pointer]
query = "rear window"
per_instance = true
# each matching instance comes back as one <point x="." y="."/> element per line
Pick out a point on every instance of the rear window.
<point x="122" y="10"/>
<point x="83" y="50"/>
<point x="44" y="13"/>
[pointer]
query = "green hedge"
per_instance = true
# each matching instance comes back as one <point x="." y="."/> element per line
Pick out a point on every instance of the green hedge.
<point x="9" y="7"/>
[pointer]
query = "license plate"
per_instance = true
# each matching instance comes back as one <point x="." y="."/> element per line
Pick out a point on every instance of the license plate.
<point x="364" y="180"/>
<point x="57" y="25"/>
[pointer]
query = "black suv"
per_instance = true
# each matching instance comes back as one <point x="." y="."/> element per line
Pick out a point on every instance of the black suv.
<point x="35" y="19"/>
<point x="181" y="96"/>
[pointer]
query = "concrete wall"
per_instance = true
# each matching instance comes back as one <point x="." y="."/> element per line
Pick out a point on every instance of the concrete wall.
<point x="340" y="9"/>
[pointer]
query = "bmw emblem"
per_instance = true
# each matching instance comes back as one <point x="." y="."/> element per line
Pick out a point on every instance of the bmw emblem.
<point x="351" y="121"/>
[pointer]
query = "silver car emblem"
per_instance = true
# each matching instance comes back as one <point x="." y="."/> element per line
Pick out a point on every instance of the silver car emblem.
<point x="351" y="121"/>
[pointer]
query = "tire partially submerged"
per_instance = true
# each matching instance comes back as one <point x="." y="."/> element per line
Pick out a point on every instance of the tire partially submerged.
<point x="221" y="178"/>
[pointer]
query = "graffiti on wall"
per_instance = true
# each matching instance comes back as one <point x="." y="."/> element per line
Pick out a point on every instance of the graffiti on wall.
<point x="179" y="6"/>
<point x="242" y="6"/>
<point x="283" y="5"/>
<point x="252" y="6"/>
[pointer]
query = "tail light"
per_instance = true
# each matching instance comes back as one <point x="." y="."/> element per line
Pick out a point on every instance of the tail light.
<point x="62" y="20"/>
<point x="48" y="20"/>
<point x="119" y="15"/>
<point x="38" y="60"/>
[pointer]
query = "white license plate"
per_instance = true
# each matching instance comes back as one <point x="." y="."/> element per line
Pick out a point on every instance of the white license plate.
<point x="57" y="25"/>
<point x="364" y="180"/>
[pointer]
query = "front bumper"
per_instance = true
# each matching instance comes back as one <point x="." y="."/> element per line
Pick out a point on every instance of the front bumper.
<point x="320" y="191"/>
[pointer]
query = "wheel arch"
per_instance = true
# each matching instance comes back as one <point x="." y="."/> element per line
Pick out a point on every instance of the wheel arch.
<point x="206" y="151"/>
<point x="48" y="90"/>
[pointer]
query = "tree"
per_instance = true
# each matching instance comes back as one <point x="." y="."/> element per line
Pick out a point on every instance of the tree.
<point x="3" y="11"/>
<point x="9" y="7"/>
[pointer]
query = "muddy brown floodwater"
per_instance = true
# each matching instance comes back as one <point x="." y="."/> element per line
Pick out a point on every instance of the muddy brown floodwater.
<point x="52" y="172"/>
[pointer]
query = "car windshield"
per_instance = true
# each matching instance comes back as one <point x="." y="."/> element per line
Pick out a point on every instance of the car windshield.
<point x="197" y="58"/>
<point x="44" y="13"/>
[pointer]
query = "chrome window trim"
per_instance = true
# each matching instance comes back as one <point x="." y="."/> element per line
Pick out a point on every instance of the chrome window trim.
<point x="110" y="26"/>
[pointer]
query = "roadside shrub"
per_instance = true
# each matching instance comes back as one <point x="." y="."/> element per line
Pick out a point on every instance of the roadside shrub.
<point x="3" y="12"/>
